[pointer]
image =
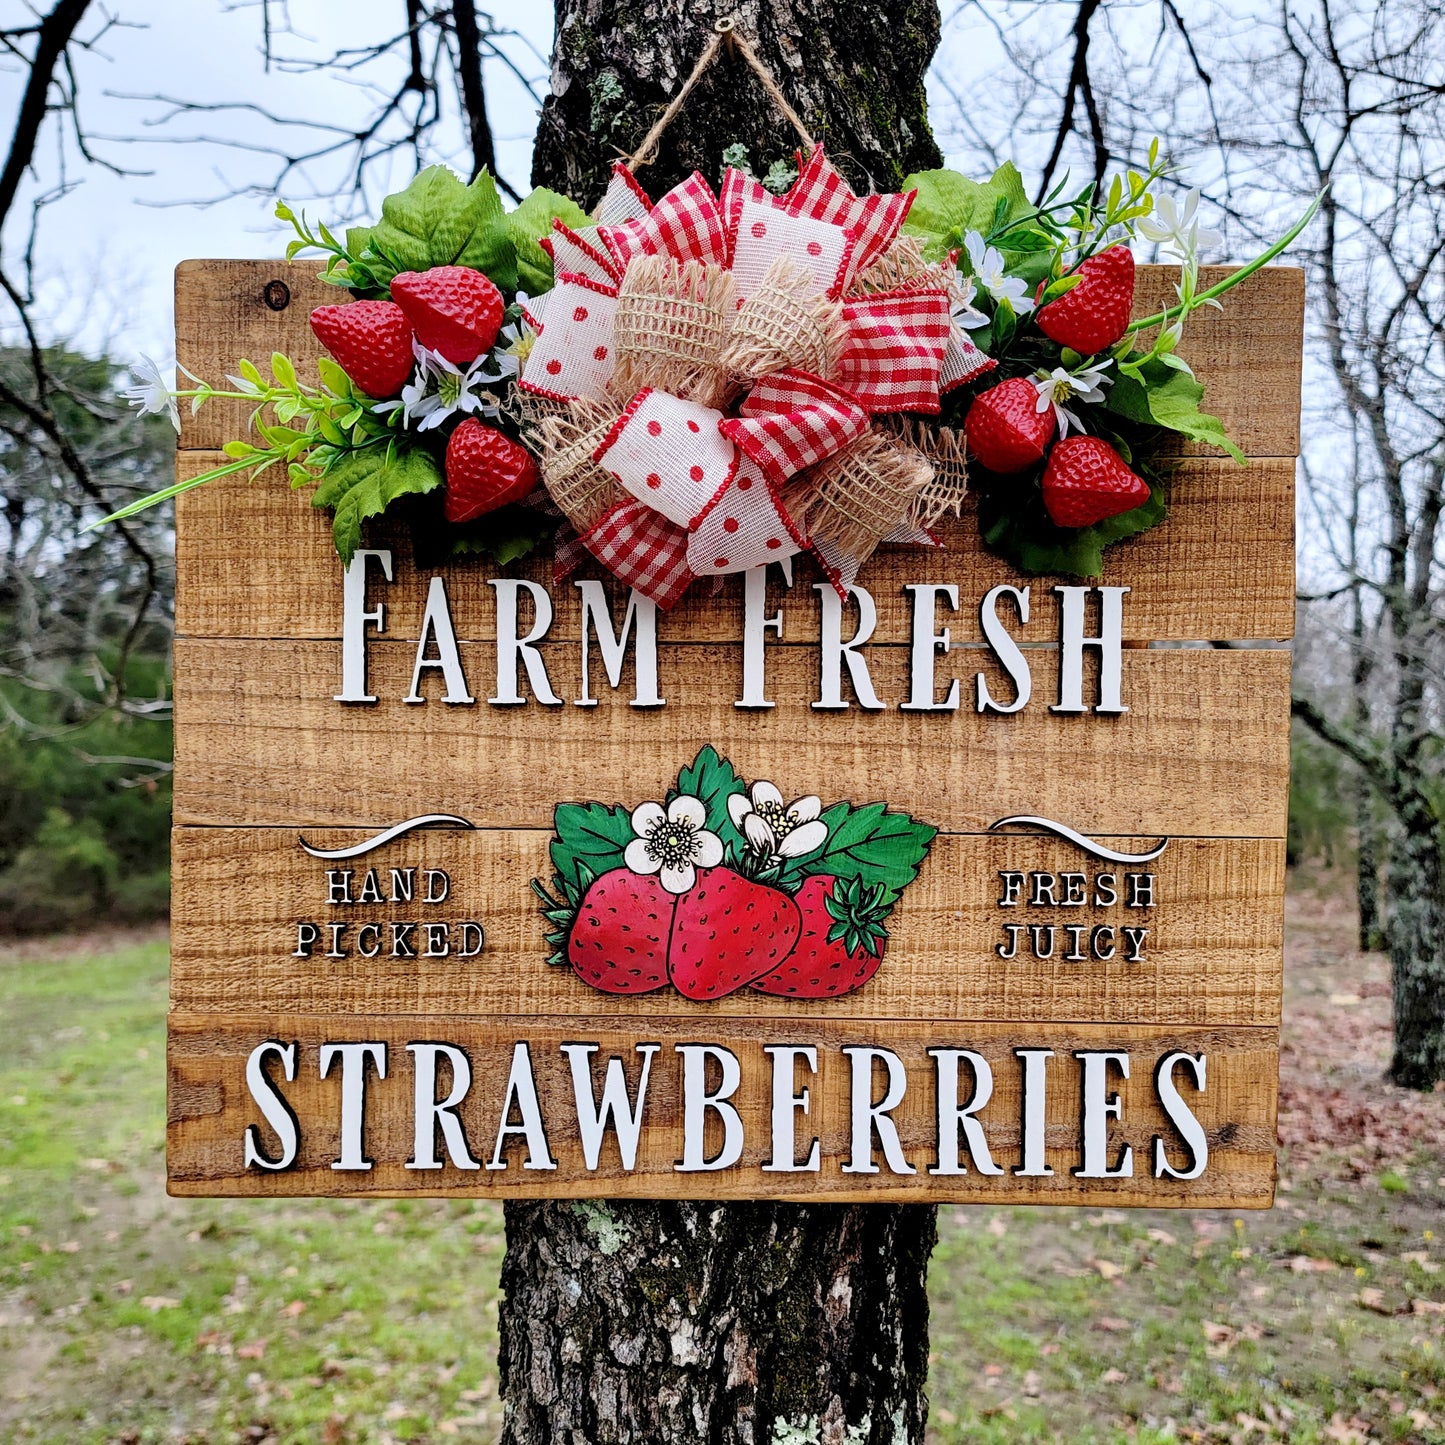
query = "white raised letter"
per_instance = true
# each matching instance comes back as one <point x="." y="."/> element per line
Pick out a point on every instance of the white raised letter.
<point x="353" y="1095"/>
<point x="756" y="623"/>
<point x="512" y="649"/>
<point x="953" y="1116"/>
<point x="429" y="1112"/>
<point x="927" y="644"/>
<point x="868" y="1116"/>
<point x="613" y="647"/>
<point x="1181" y="1116"/>
<point x="696" y="1101"/>
<point x="1072" y="643"/>
<point x="626" y="1117"/>
<point x="522" y="1089"/>
<point x="1008" y="652"/>
<point x="1035" y="1063"/>
<point x="277" y="1111"/>
<point x="437" y="619"/>
<point x="785" y="1104"/>
<point x="835" y="652"/>
<point x="1099" y="1107"/>
<point x="354" y="620"/>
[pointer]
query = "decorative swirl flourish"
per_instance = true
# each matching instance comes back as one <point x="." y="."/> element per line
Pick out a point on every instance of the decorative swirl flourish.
<point x="1089" y="845"/>
<point x="426" y="820"/>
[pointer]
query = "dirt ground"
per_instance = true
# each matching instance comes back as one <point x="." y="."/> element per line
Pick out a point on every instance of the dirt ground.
<point x="129" y="1317"/>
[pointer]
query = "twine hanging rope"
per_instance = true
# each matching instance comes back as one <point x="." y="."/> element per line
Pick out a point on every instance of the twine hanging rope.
<point x="725" y="33"/>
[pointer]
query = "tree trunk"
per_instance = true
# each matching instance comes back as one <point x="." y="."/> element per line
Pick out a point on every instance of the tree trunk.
<point x="1413" y="901"/>
<point x="1367" y="868"/>
<point x="718" y="1323"/>
<point x="852" y="69"/>
<point x="671" y="1322"/>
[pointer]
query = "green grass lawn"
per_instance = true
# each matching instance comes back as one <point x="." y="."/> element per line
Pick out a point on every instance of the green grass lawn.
<point x="126" y="1316"/>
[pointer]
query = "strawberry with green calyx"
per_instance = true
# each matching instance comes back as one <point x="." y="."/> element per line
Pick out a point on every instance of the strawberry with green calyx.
<point x="1086" y="481"/>
<point x="454" y="310"/>
<point x="486" y="469"/>
<point x="1091" y="316"/>
<point x="372" y="342"/>
<point x="842" y="941"/>
<point x="729" y="930"/>
<point x="1006" y="429"/>
<point x="615" y="935"/>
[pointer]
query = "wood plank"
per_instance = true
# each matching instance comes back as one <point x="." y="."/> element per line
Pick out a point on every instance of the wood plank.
<point x="210" y="1109"/>
<point x="1249" y="355"/>
<point x="1202" y="751"/>
<point x="255" y="560"/>
<point x="1212" y="953"/>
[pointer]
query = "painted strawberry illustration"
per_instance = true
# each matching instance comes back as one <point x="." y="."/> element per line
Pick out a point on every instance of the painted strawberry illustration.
<point x="485" y="470"/>
<point x="371" y="341"/>
<point x="842" y="942"/>
<point x="1007" y="430"/>
<point x="454" y="310"/>
<point x="1086" y="481"/>
<point x="1093" y="315"/>
<point x="616" y="936"/>
<point x="728" y="931"/>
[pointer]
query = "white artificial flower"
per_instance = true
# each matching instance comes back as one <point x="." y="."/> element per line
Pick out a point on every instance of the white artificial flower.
<point x="673" y="843"/>
<point x="1177" y="229"/>
<point x="151" y="395"/>
<point x="774" y="828"/>
<point x="966" y="316"/>
<point x="440" y="389"/>
<point x="1058" y="386"/>
<point x="988" y="267"/>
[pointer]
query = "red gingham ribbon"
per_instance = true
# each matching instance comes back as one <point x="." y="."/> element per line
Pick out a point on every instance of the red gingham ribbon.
<point x="686" y="224"/>
<point x="820" y="192"/>
<point x="792" y="419"/>
<point x="896" y="343"/>
<point x="642" y="549"/>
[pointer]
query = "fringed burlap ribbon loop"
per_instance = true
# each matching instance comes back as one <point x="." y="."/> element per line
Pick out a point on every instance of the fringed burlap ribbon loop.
<point x="530" y="410"/>
<point x="582" y="490"/>
<point x="672" y="325"/>
<point x="946" y="452"/>
<point x="856" y="497"/>
<point x="786" y="322"/>
<point x="901" y="266"/>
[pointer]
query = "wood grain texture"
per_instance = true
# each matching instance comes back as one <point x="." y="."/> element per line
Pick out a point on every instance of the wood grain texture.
<point x="210" y="1108"/>
<point x="1249" y="354"/>
<point x="1202" y="751"/>
<point x="1211" y="957"/>
<point x="254" y="559"/>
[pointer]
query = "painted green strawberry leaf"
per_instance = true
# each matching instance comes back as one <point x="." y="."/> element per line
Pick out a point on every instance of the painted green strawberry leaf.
<point x="712" y="780"/>
<point x="871" y="844"/>
<point x="591" y="838"/>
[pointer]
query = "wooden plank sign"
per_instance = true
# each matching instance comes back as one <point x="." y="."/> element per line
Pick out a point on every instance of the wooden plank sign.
<point x="473" y="867"/>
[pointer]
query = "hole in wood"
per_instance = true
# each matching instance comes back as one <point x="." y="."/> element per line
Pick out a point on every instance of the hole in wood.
<point x="277" y="295"/>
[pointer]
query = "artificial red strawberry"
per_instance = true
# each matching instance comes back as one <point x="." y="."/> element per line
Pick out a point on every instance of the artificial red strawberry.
<point x="1006" y="431"/>
<point x="1093" y="315"/>
<point x="485" y="470"/>
<point x="371" y="341"/>
<point x="1086" y="481"/>
<point x="841" y="944"/>
<point x="618" y="939"/>
<point x="454" y="310"/>
<point x="728" y="931"/>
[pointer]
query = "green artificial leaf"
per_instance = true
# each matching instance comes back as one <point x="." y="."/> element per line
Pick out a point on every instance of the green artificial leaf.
<point x="1161" y="395"/>
<point x="504" y="535"/>
<point x="528" y="223"/>
<point x="438" y="220"/>
<point x="1013" y="523"/>
<point x="712" y="780"/>
<point x="365" y="483"/>
<point x="883" y="849"/>
<point x="949" y="205"/>
<point x="591" y="840"/>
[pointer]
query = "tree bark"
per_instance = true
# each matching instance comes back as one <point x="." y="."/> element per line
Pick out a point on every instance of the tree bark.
<point x="852" y="69"/>
<point x="1367" y="869"/>
<point x="731" y="1324"/>
<point x="718" y="1323"/>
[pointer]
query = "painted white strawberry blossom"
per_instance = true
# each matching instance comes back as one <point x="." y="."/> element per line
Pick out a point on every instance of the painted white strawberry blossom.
<point x="439" y="389"/>
<point x="672" y="842"/>
<point x="1058" y="386"/>
<point x="988" y="267"/>
<point x="776" y="829"/>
